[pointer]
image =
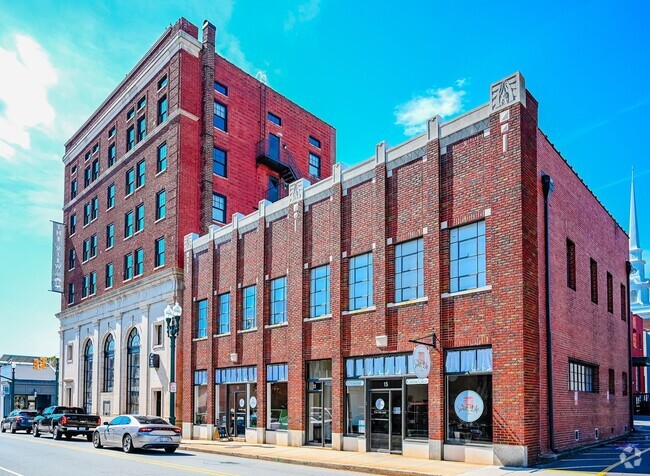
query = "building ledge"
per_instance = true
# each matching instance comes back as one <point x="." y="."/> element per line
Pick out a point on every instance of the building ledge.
<point x="222" y="335"/>
<point x="246" y="331"/>
<point x="467" y="291"/>
<point x="408" y="303"/>
<point x="319" y="318"/>
<point x="199" y="339"/>
<point x="359" y="311"/>
<point x="275" y="326"/>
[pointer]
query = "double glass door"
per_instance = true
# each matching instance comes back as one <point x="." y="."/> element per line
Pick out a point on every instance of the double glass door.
<point x="386" y="420"/>
<point x="319" y="412"/>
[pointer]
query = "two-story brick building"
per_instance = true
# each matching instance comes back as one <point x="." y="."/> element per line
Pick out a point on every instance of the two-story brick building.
<point x="460" y="296"/>
<point x="184" y="141"/>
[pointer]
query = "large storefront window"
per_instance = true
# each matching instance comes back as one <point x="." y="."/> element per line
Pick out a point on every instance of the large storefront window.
<point x="200" y="396"/>
<point x="468" y="375"/>
<point x="276" y="378"/>
<point x="236" y="399"/>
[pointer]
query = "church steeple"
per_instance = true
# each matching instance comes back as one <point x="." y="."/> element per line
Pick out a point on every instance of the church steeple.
<point x="634" y="229"/>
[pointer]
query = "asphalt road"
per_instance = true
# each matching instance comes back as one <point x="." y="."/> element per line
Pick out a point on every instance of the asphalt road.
<point x="24" y="455"/>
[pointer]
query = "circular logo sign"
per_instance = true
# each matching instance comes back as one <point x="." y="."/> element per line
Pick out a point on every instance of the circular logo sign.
<point x="421" y="361"/>
<point x="379" y="404"/>
<point x="242" y="402"/>
<point x="253" y="402"/>
<point x="469" y="406"/>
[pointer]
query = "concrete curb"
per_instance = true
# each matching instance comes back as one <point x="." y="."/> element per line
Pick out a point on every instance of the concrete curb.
<point x="317" y="464"/>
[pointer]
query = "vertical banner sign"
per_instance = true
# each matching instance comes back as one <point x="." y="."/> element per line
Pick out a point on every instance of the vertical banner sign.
<point x="58" y="251"/>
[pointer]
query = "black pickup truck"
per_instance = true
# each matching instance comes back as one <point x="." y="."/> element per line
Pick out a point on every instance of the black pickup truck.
<point x="65" y="421"/>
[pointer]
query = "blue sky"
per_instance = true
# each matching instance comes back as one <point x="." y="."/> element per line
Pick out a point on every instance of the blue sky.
<point x="374" y="70"/>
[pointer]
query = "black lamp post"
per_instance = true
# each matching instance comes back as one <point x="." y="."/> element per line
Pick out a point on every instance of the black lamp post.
<point x="13" y="386"/>
<point x="173" y="318"/>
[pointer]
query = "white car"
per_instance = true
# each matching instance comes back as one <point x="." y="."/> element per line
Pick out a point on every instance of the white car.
<point x="132" y="432"/>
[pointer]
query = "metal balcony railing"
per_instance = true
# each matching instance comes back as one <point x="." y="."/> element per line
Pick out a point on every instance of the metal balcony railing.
<point x="278" y="158"/>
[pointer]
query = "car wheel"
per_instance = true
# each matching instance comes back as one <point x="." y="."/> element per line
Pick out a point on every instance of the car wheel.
<point x="35" y="432"/>
<point x="171" y="449"/>
<point x="2" y="428"/>
<point x="127" y="444"/>
<point x="97" y="441"/>
<point x="13" y="428"/>
<point x="89" y="437"/>
<point x="56" y="434"/>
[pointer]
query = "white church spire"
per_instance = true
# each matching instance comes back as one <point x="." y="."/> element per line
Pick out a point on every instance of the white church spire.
<point x="634" y="228"/>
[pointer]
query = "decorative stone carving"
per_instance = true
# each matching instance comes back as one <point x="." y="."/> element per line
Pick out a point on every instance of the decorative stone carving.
<point x="507" y="91"/>
<point x="296" y="191"/>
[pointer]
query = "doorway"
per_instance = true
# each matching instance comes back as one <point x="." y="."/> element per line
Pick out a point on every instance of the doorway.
<point x="157" y="403"/>
<point x="386" y="418"/>
<point x="237" y="410"/>
<point x="319" y="413"/>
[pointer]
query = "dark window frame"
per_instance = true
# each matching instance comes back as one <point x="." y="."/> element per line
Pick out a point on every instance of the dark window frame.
<point x="274" y="118"/>
<point x="220" y="162"/>
<point x="593" y="272"/>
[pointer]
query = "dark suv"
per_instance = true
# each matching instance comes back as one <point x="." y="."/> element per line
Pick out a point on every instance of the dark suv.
<point x="18" y="420"/>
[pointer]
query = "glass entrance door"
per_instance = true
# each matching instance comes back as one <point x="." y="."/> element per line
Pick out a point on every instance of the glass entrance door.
<point x="319" y="413"/>
<point x="237" y="410"/>
<point x="386" y="421"/>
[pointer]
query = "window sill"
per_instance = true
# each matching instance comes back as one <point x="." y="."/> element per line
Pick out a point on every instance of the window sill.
<point x="128" y="195"/>
<point x="220" y="176"/>
<point x="467" y="291"/>
<point x="220" y="130"/>
<point x="128" y="237"/>
<point x="408" y="303"/>
<point x="68" y="361"/>
<point x="159" y="220"/>
<point x="109" y="248"/>
<point x="199" y="339"/>
<point x="139" y="187"/>
<point x="110" y="287"/>
<point x="246" y="331"/>
<point x="158" y="267"/>
<point x="158" y="346"/>
<point x="225" y="334"/>
<point x="127" y="280"/>
<point x="359" y="311"/>
<point x="319" y="318"/>
<point x="138" y="232"/>
<point x="161" y="172"/>
<point x="473" y="443"/>
<point x="275" y="326"/>
<point x="73" y="234"/>
<point x="110" y="208"/>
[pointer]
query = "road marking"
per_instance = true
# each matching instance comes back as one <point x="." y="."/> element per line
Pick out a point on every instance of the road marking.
<point x="10" y="471"/>
<point x="629" y="458"/>
<point x="109" y="453"/>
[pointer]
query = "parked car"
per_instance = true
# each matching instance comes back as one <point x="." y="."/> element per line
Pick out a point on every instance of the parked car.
<point x="18" y="420"/>
<point x="68" y="421"/>
<point x="131" y="432"/>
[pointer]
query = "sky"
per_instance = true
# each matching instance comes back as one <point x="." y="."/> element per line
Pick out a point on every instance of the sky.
<point x="375" y="70"/>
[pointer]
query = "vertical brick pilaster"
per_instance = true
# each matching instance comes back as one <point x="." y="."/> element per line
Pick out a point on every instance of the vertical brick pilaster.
<point x="207" y="129"/>
<point x="382" y="280"/>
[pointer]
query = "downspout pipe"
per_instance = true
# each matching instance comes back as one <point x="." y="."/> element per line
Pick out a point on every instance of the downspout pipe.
<point x="547" y="188"/>
<point x="628" y="269"/>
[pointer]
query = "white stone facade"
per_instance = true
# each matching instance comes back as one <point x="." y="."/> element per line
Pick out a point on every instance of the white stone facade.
<point x="139" y="305"/>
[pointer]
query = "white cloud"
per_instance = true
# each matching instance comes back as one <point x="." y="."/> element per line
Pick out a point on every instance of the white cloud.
<point x="27" y="76"/>
<point x="306" y="12"/>
<point x="413" y="115"/>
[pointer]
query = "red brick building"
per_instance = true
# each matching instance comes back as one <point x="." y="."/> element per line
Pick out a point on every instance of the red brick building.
<point x="183" y="142"/>
<point x="400" y="305"/>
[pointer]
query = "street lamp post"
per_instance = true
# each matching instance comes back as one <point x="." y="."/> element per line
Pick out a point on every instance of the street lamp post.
<point x="173" y="318"/>
<point x="13" y="386"/>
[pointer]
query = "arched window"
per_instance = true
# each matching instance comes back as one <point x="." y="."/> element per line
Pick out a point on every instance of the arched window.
<point x="88" y="376"/>
<point x="133" y="373"/>
<point x="109" y="363"/>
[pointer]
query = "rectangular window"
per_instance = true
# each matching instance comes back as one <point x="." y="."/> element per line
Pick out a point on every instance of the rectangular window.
<point x="142" y="102"/>
<point x="73" y="189"/>
<point x="162" y="82"/>
<point x="409" y="270"/>
<point x="128" y="224"/>
<point x="467" y="257"/>
<point x="218" y="208"/>
<point x="70" y="293"/>
<point x="314" y="165"/>
<point x="73" y="224"/>
<point x="85" y="288"/>
<point x="200" y="397"/>
<point x="94" y="208"/>
<point x="110" y="235"/>
<point x="93" y="283"/>
<point x="139" y="218"/>
<point x="220" y="88"/>
<point x="624" y="384"/>
<point x="139" y="262"/>
<point x="610" y="293"/>
<point x="158" y="335"/>
<point x="249" y="307"/>
<point x="111" y="155"/>
<point x="130" y="114"/>
<point x="161" y="158"/>
<point x="355" y="408"/>
<point x="623" y="303"/>
<point x="315" y="142"/>
<point x="583" y="377"/>
<point x="273" y="192"/>
<point x="571" y="264"/>
<point x="161" y="207"/>
<point x="219" y="161"/>
<point x="274" y="119"/>
<point x="95" y="170"/>
<point x="162" y="109"/>
<point x="96" y="148"/>
<point x="224" y="313"/>
<point x="612" y="382"/>
<point x="129" y="182"/>
<point x="72" y="258"/>
<point x="319" y="291"/>
<point x="220" y="116"/>
<point x="202" y="319"/>
<point x="279" y="300"/>
<point x="87" y="156"/>
<point x="110" y="196"/>
<point x="86" y="177"/>
<point x="140" y="178"/>
<point x="111" y="132"/>
<point x="86" y="213"/>
<point x="130" y="138"/>
<point x="593" y="267"/>
<point x="93" y="246"/>
<point x="159" y="249"/>
<point x="142" y="128"/>
<point x="109" y="275"/>
<point x="277" y="391"/>
<point x="85" y="254"/>
<point x="417" y="411"/>
<point x="360" y="282"/>
<point x="128" y="266"/>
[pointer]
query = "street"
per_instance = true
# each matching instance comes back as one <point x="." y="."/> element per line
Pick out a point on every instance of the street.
<point x="24" y="455"/>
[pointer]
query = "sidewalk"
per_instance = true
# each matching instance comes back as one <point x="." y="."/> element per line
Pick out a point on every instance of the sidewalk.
<point x="377" y="463"/>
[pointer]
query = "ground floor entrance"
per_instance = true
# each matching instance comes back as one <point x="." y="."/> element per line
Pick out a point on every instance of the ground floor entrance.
<point x="386" y="416"/>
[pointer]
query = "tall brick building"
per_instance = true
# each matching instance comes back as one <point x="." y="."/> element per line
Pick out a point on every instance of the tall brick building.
<point x="184" y="141"/>
<point x="401" y="304"/>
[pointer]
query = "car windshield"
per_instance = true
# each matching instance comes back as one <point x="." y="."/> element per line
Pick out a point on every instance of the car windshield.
<point x="147" y="420"/>
<point x="28" y="414"/>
